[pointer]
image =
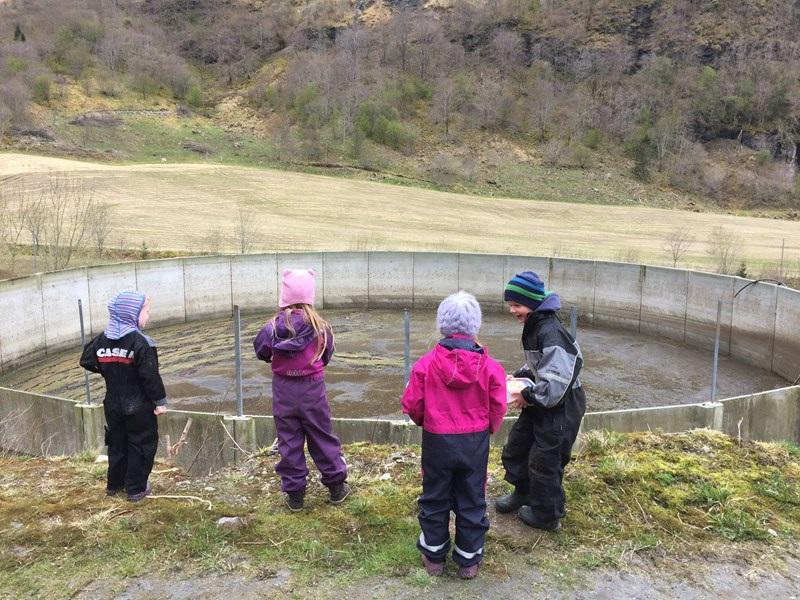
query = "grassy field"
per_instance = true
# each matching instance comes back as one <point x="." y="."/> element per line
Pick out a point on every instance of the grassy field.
<point x="696" y="496"/>
<point x="195" y="208"/>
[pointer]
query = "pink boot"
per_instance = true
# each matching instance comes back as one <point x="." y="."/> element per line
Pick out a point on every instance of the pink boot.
<point x="433" y="569"/>
<point x="468" y="572"/>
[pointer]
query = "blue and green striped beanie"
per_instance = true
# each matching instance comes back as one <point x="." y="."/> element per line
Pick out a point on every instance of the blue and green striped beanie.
<point x="527" y="289"/>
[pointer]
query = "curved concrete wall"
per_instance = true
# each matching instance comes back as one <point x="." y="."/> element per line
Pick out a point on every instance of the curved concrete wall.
<point x="43" y="425"/>
<point x="760" y="326"/>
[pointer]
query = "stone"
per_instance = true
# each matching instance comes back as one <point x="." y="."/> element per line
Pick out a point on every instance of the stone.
<point x="230" y="522"/>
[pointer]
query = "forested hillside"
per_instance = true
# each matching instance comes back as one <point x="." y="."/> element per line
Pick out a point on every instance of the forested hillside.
<point x="700" y="97"/>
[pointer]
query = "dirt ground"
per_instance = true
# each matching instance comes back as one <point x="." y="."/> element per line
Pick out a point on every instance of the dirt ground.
<point x="365" y="377"/>
<point x="643" y="578"/>
<point x="198" y="207"/>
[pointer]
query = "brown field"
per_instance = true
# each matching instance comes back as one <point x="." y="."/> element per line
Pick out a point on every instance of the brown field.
<point x="195" y="207"/>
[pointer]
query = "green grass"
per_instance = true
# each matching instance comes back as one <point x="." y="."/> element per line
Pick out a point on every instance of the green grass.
<point x="683" y="495"/>
<point x="148" y="139"/>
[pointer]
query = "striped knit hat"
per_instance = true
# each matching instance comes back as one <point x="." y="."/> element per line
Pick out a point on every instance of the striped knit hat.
<point x="123" y="314"/>
<point x="527" y="289"/>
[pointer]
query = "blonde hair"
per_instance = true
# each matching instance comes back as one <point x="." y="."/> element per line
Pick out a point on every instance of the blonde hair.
<point x="320" y="326"/>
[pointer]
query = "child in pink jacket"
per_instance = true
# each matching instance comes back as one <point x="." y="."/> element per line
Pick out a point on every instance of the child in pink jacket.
<point x="457" y="394"/>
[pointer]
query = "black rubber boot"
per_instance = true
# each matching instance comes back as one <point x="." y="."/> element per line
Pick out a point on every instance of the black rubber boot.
<point x="294" y="500"/>
<point x="339" y="492"/>
<point x="526" y="515"/>
<point x="510" y="502"/>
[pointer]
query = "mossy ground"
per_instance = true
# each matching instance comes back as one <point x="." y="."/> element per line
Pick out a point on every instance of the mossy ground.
<point x="628" y="496"/>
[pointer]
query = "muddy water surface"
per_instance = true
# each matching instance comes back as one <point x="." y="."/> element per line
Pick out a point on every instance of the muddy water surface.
<point x="365" y="377"/>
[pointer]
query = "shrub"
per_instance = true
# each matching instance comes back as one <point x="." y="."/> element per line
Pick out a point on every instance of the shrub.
<point x="5" y="118"/>
<point x="263" y="96"/>
<point x="108" y="85"/>
<point x="40" y="91"/>
<point x="380" y="124"/>
<point x="143" y="83"/>
<point x="304" y="103"/>
<point x="194" y="97"/>
<point x="592" y="138"/>
<point x="723" y="247"/>
<point x="554" y="152"/>
<point x="581" y="156"/>
<point x="412" y="89"/>
<point x="763" y="157"/>
<point x="641" y="148"/>
<point x="685" y="169"/>
<point x="72" y="54"/>
<point x="15" y="64"/>
<point x="444" y="169"/>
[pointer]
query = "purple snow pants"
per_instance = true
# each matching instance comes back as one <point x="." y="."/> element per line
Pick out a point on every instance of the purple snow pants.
<point x="301" y="411"/>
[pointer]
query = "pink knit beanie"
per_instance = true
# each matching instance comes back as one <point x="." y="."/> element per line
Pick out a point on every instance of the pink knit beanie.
<point x="297" y="287"/>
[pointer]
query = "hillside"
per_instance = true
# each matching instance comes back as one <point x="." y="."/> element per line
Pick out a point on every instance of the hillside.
<point x="689" y="105"/>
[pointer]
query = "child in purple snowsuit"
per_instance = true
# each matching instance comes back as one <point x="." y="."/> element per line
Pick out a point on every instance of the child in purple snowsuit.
<point x="299" y="343"/>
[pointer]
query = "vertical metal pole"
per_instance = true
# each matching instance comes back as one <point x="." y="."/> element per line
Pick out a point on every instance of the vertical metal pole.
<point x="716" y="354"/>
<point x="237" y="325"/>
<point x="783" y="246"/>
<point x="573" y="322"/>
<point x="83" y="345"/>
<point x="406" y="346"/>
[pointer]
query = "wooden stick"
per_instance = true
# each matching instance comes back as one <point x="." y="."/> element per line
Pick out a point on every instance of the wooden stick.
<point x="210" y="506"/>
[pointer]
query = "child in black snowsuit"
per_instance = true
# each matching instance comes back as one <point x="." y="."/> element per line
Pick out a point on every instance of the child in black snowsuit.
<point x="135" y="395"/>
<point x="540" y="442"/>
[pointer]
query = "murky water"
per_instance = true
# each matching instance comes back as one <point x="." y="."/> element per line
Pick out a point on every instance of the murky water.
<point x="365" y="377"/>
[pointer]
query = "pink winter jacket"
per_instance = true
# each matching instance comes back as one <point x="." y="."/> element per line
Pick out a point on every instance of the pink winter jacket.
<point x="456" y="391"/>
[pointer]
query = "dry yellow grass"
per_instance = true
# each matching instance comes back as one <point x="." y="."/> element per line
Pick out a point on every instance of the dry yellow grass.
<point x="183" y="206"/>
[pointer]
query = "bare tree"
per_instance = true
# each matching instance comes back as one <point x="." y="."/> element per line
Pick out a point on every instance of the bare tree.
<point x="12" y="219"/>
<point x="32" y="216"/>
<point x="67" y="203"/>
<point x="246" y="232"/>
<point x="429" y="43"/>
<point x="352" y="43"/>
<point x="99" y="224"/>
<point x="723" y="249"/>
<point x="443" y="99"/>
<point x="213" y="241"/>
<point x="542" y="105"/>
<point x="677" y="244"/>
<point x="506" y="49"/>
<point x="667" y="132"/>
<point x="14" y="96"/>
<point x="5" y="118"/>
<point x="491" y="103"/>
<point x="5" y="217"/>
<point x="400" y="32"/>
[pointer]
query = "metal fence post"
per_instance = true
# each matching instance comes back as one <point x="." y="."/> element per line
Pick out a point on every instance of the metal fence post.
<point x="83" y="345"/>
<point x="406" y="346"/>
<point x="237" y="325"/>
<point x="716" y="354"/>
<point x="573" y="322"/>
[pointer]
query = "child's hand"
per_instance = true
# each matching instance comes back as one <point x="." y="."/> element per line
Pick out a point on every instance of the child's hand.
<point x="160" y="410"/>
<point x="517" y="400"/>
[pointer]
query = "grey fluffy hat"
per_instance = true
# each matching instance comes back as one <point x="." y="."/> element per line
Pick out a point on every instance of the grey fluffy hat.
<point x="459" y="313"/>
